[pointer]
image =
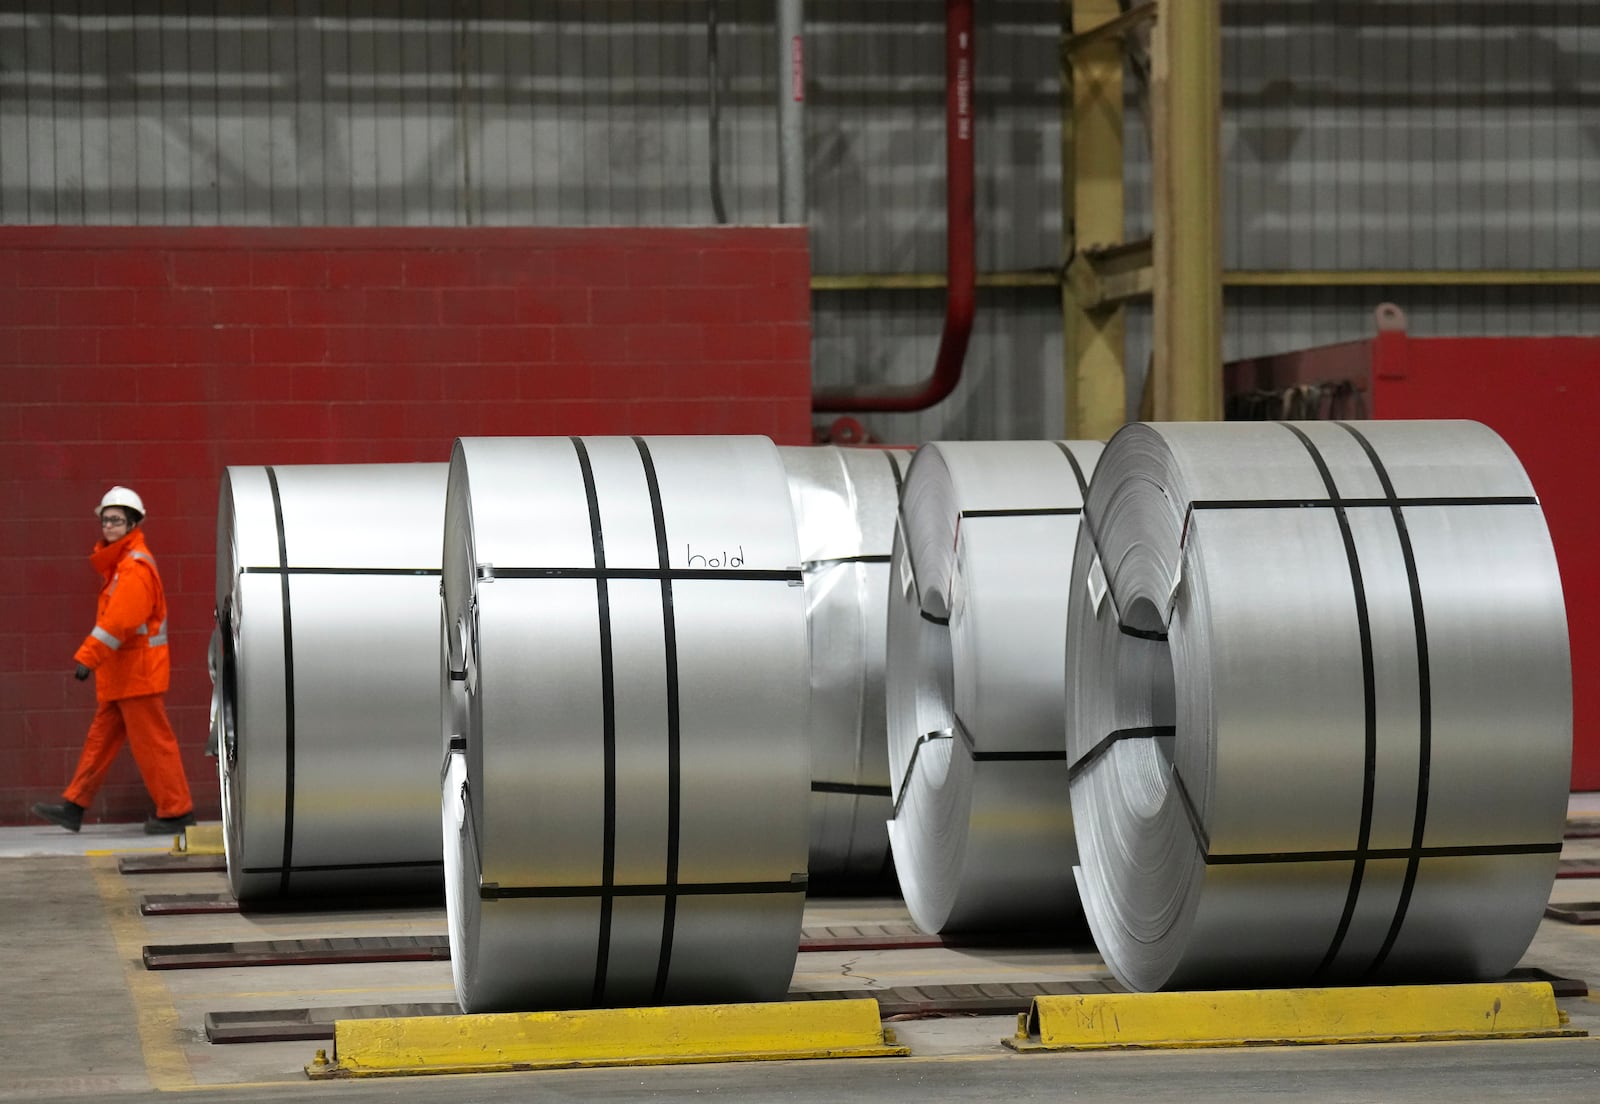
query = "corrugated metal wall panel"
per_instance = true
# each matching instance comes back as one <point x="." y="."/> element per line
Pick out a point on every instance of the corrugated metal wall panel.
<point x="875" y="128"/>
<point x="1408" y="134"/>
<point x="1402" y="134"/>
<point x="422" y="112"/>
<point x="428" y="112"/>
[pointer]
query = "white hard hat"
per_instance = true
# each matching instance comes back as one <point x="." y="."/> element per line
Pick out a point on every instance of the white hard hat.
<point x="120" y="496"/>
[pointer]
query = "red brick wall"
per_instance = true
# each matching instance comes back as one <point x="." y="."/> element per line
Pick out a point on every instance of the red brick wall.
<point x="155" y="357"/>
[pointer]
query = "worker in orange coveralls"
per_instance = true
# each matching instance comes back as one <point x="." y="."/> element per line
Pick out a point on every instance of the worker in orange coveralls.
<point x="127" y="651"/>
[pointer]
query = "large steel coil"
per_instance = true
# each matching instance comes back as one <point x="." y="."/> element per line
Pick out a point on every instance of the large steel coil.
<point x="1322" y="720"/>
<point x="982" y="827"/>
<point x="626" y="792"/>
<point x="845" y="501"/>
<point x="326" y="670"/>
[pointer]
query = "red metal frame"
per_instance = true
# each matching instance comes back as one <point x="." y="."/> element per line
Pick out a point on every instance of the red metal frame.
<point x="1541" y="394"/>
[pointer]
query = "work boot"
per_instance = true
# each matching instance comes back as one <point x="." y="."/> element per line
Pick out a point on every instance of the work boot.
<point x="157" y="826"/>
<point x="68" y="814"/>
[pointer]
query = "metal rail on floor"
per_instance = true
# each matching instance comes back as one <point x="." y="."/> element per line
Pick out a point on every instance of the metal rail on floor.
<point x="297" y="952"/>
<point x="172" y="864"/>
<point x="1574" y="912"/>
<point x="276" y="1025"/>
<point x="202" y="904"/>
<point x="187" y="904"/>
<point x="1583" y="828"/>
<point x="413" y="948"/>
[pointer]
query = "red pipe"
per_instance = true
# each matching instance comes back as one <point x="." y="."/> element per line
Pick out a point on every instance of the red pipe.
<point x="961" y="294"/>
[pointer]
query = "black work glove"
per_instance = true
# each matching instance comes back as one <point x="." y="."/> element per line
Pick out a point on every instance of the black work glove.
<point x="81" y="673"/>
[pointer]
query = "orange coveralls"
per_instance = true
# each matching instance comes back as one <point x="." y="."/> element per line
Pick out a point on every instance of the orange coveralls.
<point x="127" y="650"/>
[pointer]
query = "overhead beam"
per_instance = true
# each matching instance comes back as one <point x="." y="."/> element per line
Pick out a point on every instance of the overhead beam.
<point x="1115" y="28"/>
<point x="1100" y="260"/>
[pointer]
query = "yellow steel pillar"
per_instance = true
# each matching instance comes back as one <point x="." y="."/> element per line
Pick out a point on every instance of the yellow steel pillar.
<point x="1091" y="179"/>
<point x="1186" y="102"/>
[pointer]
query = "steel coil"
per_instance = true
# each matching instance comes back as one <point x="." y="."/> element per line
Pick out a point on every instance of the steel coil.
<point x="845" y="501"/>
<point x="625" y="800"/>
<point x="1322" y="726"/>
<point x="326" y="669"/>
<point x="982" y="827"/>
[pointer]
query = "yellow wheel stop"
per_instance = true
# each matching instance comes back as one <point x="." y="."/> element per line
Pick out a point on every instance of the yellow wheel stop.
<point x="607" y="1037"/>
<point x="1263" y="1017"/>
<point x="200" y="839"/>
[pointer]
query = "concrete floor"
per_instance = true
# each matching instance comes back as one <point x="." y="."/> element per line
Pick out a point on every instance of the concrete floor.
<point x="83" y="1020"/>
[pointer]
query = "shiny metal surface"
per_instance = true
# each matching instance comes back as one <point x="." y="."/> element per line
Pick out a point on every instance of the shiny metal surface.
<point x="625" y="639"/>
<point x="325" y="668"/>
<point x="845" y="501"/>
<point x="1322" y="726"/>
<point x="982" y="836"/>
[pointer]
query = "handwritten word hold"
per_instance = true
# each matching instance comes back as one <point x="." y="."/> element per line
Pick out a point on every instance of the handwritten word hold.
<point x="724" y="558"/>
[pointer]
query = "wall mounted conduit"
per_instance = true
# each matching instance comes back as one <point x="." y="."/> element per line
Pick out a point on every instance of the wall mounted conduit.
<point x="961" y="295"/>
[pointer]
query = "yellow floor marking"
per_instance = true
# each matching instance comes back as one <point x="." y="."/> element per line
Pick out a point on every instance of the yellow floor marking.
<point x="1000" y="1054"/>
<point x="100" y="852"/>
<point x="297" y="1080"/>
<point x="164" y="1059"/>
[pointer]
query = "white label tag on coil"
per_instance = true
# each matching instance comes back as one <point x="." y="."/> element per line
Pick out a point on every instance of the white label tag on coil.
<point x="1097" y="585"/>
<point x="905" y="576"/>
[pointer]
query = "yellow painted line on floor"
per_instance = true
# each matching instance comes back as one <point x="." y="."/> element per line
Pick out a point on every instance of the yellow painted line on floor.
<point x="164" y="1060"/>
<point x="1263" y="1017"/>
<point x="295" y="1082"/>
<point x="102" y="851"/>
<point x="485" y="1043"/>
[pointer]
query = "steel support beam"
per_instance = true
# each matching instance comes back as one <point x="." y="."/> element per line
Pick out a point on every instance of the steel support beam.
<point x="1186" y="103"/>
<point x="1119" y="281"/>
<point x="1419" y="277"/>
<point x="1092" y="208"/>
